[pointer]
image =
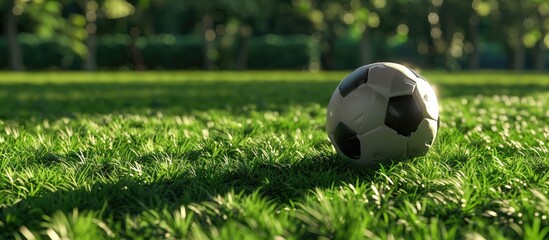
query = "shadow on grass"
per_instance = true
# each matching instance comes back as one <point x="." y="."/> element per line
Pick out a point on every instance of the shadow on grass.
<point x="52" y="101"/>
<point x="276" y="181"/>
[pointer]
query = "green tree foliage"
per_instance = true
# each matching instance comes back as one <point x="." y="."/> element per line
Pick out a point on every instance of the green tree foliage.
<point x="450" y="34"/>
<point x="326" y="19"/>
<point x="45" y="19"/>
<point x="226" y="23"/>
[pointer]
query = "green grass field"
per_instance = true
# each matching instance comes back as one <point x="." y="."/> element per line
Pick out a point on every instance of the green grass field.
<point x="245" y="156"/>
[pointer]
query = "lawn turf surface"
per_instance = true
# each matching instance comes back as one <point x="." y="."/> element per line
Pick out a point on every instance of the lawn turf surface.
<point x="245" y="155"/>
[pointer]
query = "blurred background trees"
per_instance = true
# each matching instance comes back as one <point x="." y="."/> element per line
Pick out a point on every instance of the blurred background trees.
<point x="263" y="34"/>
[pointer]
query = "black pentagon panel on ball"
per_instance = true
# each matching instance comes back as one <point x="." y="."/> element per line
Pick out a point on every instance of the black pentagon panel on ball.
<point x="403" y="115"/>
<point x="353" y="80"/>
<point x="347" y="141"/>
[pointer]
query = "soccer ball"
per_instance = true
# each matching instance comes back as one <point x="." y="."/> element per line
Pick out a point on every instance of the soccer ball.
<point x="382" y="111"/>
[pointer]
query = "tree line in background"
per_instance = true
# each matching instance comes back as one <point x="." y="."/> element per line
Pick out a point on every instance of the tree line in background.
<point x="241" y="34"/>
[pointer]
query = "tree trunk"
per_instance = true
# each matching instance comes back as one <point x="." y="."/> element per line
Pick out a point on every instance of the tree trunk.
<point x="315" y="63"/>
<point x="328" y="58"/>
<point x="209" y="36"/>
<point x="365" y="47"/>
<point x="450" y="60"/>
<point x="474" y="57"/>
<point x="137" y="58"/>
<point x="431" y="52"/>
<point x="15" y="54"/>
<point x="90" y="61"/>
<point x="519" y="51"/>
<point x="539" y="61"/>
<point x="244" y="49"/>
